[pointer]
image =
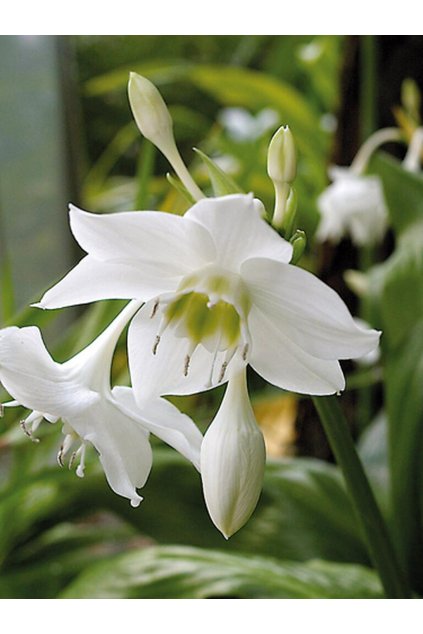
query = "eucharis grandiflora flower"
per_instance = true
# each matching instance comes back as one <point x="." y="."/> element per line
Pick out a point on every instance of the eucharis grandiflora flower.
<point x="219" y="293"/>
<point x="354" y="204"/>
<point x="78" y="392"/>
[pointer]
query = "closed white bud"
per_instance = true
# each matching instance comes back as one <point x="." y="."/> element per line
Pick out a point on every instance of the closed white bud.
<point x="232" y="460"/>
<point x="150" y="111"/>
<point x="282" y="156"/>
<point x="155" y="123"/>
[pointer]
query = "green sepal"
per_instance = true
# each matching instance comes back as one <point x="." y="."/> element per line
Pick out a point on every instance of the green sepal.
<point x="299" y="243"/>
<point x="222" y="183"/>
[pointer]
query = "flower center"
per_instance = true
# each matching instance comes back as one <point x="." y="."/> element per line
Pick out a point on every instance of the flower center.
<point x="215" y="325"/>
<point x="210" y="308"/>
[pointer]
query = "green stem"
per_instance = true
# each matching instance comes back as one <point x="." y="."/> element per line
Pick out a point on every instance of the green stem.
<point x="378" y="541"/>
<point x="144" y="172"/>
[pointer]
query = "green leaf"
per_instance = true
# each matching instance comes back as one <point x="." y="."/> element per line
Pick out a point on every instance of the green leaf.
<point x="254" y="90"/>
<point x="44" y="566"/>
<point x="403" y="191"/>
<point x="372" y="448"/>
<point x="404" y="400"/>
<point x="222" y="183"/>
<point x="304" y="512"/>
<point x="191" y="573"/>
<point x="396" y="287"/>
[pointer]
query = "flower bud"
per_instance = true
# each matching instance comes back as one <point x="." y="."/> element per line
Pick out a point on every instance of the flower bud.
<point x="281" y="156"/>
<point x="150" y="111"/>
<point x="155" y="123"/>
<point x="299" y="243"/>
<point x="233" y="460"/>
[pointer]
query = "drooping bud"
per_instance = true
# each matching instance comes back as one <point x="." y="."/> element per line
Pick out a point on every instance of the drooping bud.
<point x="282" y="156"/>
<point x="233" y="460"/>
<point x="282" y="169"/>
<point x="155" y="123"/>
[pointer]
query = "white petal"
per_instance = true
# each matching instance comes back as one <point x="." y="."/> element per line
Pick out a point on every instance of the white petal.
<point x="164" y="372"/>
<point x="232" y="460"/>
<point x="282" y="362"/>
<point x="238" y="230"/>
<point x="166" y="244"/>
<point x="92" y="280"/>
<point x="308" y="311"/>
<point x="165" y="421"/>
<point x="123" y="447"/>
<point x="30" y="375"/>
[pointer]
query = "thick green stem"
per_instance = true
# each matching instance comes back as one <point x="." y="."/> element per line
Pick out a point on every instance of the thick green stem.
<point x="378" y="541"/>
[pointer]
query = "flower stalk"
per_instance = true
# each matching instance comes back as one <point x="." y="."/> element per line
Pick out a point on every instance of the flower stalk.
<point x="373" y="526"/>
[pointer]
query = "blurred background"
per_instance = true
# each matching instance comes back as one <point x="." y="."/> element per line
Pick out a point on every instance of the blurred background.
<point x="67" y="134"/>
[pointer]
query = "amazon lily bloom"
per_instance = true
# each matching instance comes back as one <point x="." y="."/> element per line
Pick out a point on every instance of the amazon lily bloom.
<point x="219" y="293"/>
<point x="78" y="392"/>
<point x="353" y="205"/>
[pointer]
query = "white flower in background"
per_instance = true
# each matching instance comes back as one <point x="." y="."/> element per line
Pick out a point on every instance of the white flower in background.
<point x="353" y="205"/>
<point x="219" y="293"/>
<point x="233" y="458"/>
<point x="78" y="392"/>
<point x="241" y="125"/>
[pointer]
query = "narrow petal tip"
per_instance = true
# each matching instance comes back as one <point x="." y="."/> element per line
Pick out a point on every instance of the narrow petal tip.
<point x="136" y="501"/>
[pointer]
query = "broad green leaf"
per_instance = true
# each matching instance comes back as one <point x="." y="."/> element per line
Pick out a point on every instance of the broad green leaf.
<point x="404" y="400"/>
<point x="42" y="567"/>
<point x="373" y="451"/>
<point x="241" y="87"/>
<point x="158" y="71"/>
<point x="303" y="513"/>
<point x="403" y="191"/>
<point x="192" y="573"/>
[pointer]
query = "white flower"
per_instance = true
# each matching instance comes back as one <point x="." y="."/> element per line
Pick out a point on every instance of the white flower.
<point x="353" y="205"/>
<point x="78" y="392"/>
<point x="243" y="126"/>
<point x="232" y="460"/>
<point x="219" y="293"/>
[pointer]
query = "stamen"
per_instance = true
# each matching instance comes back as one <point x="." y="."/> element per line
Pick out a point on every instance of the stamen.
<point x="228" y="358"/>
<point x="188" y="357"/>
<point x="81" y="466"/>
<point x="64" y="448"/>
<point x="156" y="344"/>
<point x="59" y="457"/>
<point x="245" y="352"/>
<point x="155" y="307"/>
<point x="186" y="366"/>
<point x="210" y="381"/>
<point x="222" y="372"/>
<point x="28" y="432"/>
<point x="72" y="459"/>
